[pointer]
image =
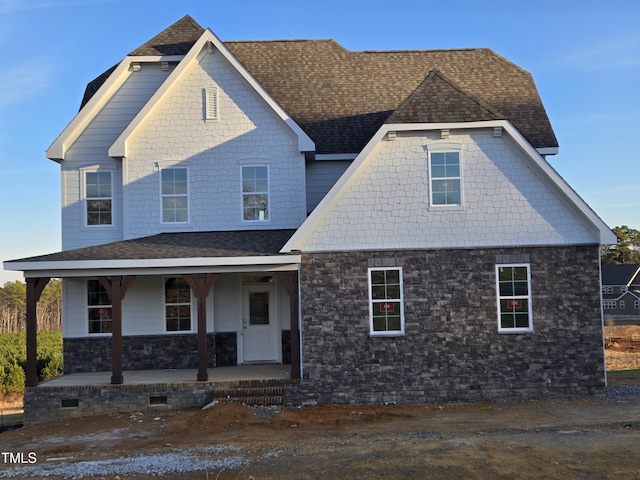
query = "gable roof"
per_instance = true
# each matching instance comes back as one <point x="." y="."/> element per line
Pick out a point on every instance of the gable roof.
<point x="624" y="274"/>
<point x="340" y="98"/>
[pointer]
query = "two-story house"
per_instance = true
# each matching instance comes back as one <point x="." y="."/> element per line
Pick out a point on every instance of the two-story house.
<point x="385" y="221"/>
<point x="621" y="293"/>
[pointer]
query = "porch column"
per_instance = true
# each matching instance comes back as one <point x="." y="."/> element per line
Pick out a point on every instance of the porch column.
<point x="290" y="284"/>
<point x="35" y="286"/>
<point x="200" y="284"/>
<point x="116" y="288"/>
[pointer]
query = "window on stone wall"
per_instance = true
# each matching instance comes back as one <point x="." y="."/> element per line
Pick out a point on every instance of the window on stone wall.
<point x="513" y="285"/>
<point x="99" y="308"/>
<point x="177" y="305"/>
<point x="386" y="304"/>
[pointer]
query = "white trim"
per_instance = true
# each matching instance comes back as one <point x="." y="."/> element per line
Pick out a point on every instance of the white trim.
<point x="192" y="307"/>
<point x="548" y="151"/>
<point x="445" y="148"/>
<point x="84" y="268"/>
<point x="254" y="164"/>
<point x="84" y="198"/>
<point x="162" y="195"/>
<point x="528" y="297"/>
<point x="606" y="236"/>
<point x="119" y="148"/>
<point x="385" y="333"/>
<point x="211" y="103"/>
<point x="87" y="307"/>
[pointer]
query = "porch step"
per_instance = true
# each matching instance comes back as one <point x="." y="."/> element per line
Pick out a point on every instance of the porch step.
<point x="266" y="395"/>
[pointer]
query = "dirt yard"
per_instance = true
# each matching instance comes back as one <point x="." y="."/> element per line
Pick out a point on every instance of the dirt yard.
<point x="528" y="440"/>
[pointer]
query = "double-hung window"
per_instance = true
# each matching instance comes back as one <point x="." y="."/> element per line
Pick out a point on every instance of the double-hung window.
<point x="175" y="195"/>
<point x="445" y="178"/>
<point x="513" y="285"/>
<point x="99" y="308"/>
<point x="177" y="305"/>
<point x="255" y="193"/>
<point x="386" y="305"/>
<point x="98" y="198"/>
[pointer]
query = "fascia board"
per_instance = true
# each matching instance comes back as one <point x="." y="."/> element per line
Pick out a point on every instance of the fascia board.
<point x="605" y="234"/>
<point x="119" y="148"/>
<point x="84" y="117"/>
<point x="83" y="267"/>
<point x="607" y="237"/>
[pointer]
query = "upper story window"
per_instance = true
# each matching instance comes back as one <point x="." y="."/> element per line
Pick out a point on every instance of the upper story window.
<point x="255" y="193"/>
<point x="177" y="305"/>
<point x="99" y="308"/>
<point x="386" y="304"/>
<point x="608" y="289"/>
<point x="624" y="289"/>
<point x="98" y="198"/>
<point x="513" y="285"/>
<point x="175" y="195"/>
<point x="445" y="176"/>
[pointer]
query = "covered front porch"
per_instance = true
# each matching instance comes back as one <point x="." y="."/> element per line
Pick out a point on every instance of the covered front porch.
<point x="122" y="297"/>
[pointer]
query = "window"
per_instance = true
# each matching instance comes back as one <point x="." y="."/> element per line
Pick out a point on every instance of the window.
<point x="98" y="199"/>
<point x="386" y="307"/>
<point x="624" y="289"/>
<point x="446" y="180"/>
<point x="621" y="304"/>
<point x="609" y="304"/>
<point x="255" y="193"/>
<point x="636" y="304"/>
<point x="177" y="305"/>
<point x="609" y="289"/>
<point x="99" y="307"/>
<point x="175" y="193"/>
<point x="514" y="298"/>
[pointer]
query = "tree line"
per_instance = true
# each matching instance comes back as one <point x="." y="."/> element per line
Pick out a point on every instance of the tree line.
<point x="627" y="250"/>
<point x="13" y="309"/>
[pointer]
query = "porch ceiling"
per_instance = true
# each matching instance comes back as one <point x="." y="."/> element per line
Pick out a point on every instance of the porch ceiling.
<point x="185" y="252"/>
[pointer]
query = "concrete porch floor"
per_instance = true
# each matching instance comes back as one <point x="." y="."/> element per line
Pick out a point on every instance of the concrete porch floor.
<point x="143" y="377"/>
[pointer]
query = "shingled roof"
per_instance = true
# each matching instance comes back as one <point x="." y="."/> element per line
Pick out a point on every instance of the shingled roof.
<point x="243" y="243"/>
<point x="341" y="98"/>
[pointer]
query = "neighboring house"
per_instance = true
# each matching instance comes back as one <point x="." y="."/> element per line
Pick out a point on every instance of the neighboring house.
<point x="386" y="222"/>
<point x="621" y="293"/>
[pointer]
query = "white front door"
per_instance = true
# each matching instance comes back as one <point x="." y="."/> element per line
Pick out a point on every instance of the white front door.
<point x="259" y="324"/>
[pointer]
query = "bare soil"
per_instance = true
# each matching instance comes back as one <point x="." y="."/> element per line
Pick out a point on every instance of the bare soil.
<point x="527" y="440"/>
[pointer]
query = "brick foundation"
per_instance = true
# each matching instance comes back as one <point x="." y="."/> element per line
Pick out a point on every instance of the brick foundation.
<point x="451" y="350"/>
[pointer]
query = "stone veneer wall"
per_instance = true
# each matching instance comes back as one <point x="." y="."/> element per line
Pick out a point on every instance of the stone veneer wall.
<point x="451" y="350"/>
<point x="152" y="352"/>
<point x="48" y="403"/>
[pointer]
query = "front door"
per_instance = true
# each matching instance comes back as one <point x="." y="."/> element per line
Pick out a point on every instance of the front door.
<point x="259" y="324"/>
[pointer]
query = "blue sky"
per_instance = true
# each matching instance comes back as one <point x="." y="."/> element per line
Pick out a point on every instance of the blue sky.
<point x="584" y="56"/>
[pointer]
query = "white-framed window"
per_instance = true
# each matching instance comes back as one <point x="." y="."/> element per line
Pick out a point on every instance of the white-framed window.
<point x="386" y="301"/>
<point x="609" y="289"/>
<point x="624" y="289"/>
<point x="255" y="193"/>
<point x="174" y="188"/>
<point x="98" y="198"/>
<point x="99" y="308"/>
<point x="636" y="304"/>
<point x="445" y="178"/>
<point x="177" y="305"/>
<point x="609" y="304"/>
<point x="513" y="288"/>
<point x="621" y="304"/>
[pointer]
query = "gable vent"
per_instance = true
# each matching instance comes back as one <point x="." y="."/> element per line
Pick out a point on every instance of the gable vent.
<point x="211" y="103"/>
